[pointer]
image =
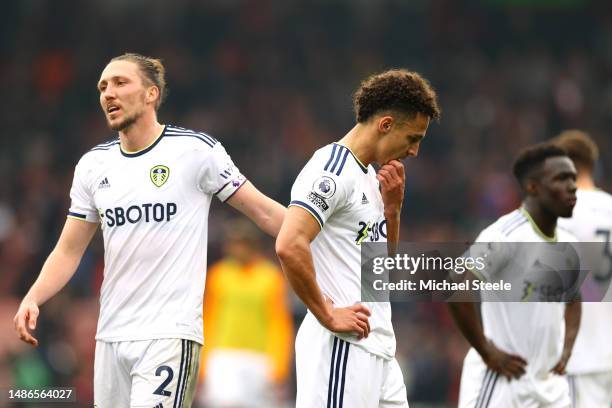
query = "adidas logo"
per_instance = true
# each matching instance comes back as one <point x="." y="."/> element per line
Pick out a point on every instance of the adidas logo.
<point x="364" y="199"/>
<point x="104" y="184"/>
<point x="160" y="405"/>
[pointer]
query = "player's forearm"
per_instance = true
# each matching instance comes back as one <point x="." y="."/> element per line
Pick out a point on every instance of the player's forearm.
<point x="55" y="273"/>
<point x="261" y="209"/>
<point x="393" y="230"/>
<point x="271" y="217"/>
<point x="466" y="316"/>
<point x="296" y="260"/>
<point x="573" y="312"/>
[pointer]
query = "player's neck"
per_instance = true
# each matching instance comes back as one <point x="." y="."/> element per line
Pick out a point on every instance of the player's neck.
<point x="544" y="220"/>
<point x="360" y="143"/>
<point x="140" y="135"/>
<point x="585" y="182"/>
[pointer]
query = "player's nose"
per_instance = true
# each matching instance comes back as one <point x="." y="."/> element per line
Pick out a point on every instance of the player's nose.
<point x="414" y="149"/>
<point x="109" y="93"/>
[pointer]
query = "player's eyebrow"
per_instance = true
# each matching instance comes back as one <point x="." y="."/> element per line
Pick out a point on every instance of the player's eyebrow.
<point x="113" y="78"/>
<point x="416" y="137"/>
<point x="566" y="174"/>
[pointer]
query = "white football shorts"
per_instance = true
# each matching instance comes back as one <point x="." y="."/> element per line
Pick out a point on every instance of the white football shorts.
<point x="591" y="390"/>
<point x="481" y="387"/>
<point x="160" y="373"/>
<point x="333" y="373"/>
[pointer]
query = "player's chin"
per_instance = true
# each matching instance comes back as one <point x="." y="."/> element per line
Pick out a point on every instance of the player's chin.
<point x="566" y="211"/>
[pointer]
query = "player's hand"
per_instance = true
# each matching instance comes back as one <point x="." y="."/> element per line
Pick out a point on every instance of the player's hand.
<point x="392" y="181"/>
<point x="25" y="321"/>
<point x="352" y="319"/>
<point x="560" y="367"/>
<point x="509" y="365"/>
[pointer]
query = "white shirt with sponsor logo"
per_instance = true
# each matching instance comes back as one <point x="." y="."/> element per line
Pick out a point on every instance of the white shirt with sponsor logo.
<point x="534" y="330"/>
<point x="592" y="222"/>
<point x="153" y="210"/>
<point x="343" y="196"/>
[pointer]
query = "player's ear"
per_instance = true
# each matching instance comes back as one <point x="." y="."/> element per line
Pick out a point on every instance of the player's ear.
<point x="531" y="186"/>
<point x="152" y="94"/>
<point x="385" y="123"/>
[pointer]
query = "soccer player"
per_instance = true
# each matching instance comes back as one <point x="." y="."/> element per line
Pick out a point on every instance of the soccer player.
<point x="590" y="366"/>
<point x="249" y="331"/>
<point x="345" y="350"/>
<point x="150" y="191"/>
<point x="520" y="351"/>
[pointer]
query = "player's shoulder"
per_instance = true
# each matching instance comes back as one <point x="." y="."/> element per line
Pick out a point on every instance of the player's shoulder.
<point x="100" y="150"/>
<point x="507" y="226"/>
<point x="597" y="197"/>
<point x="336" y="161"/>
<point x="181" y="136"/>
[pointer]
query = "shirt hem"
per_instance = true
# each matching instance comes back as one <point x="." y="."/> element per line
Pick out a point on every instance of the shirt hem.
<point x="114" y="339"/>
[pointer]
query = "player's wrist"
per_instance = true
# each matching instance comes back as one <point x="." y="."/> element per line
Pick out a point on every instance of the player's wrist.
<point x="393" y="212"/>
<point x="486" y="350"/>
<point x="325" y="315"/>
<point x="327" y="321"/>
<point x="29" y="300"/>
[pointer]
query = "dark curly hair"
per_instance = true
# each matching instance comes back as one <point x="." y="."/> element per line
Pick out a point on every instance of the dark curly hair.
<point x="531" y="158"/>
<point x="395" y="90"/>
<point x="580" y="147"/>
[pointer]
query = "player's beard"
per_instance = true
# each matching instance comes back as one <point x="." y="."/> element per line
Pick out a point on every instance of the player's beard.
<point x="125" y="123"/>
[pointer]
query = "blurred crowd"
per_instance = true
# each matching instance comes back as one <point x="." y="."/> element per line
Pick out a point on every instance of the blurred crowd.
<point x="272" y="80"/>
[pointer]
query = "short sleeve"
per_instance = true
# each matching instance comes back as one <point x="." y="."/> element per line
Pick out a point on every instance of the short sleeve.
<point x="82" y="206"/>
<point x="493" y="253"/>
<point x="218" y="174"/>
<point x="318" y="191"/>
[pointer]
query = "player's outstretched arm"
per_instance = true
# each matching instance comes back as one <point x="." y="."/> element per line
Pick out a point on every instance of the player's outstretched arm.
<point x="264" y="211"/>
<point x="293" y="250"/>
<point x="573" y="312"/>
<point x="55" y="273"/>
<point x="466" y="316"/>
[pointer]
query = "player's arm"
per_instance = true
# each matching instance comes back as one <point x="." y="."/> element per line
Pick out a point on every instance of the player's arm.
<point x="261" y="209"/>
<point x="293" y="249"/>
<point x="573" y="312"/>
<point x="55" y="273"/>
<point x="468" y="321"/>
<point x="392" y="181"/>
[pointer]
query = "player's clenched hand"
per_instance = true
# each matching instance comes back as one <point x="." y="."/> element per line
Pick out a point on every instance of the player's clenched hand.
<point x="25" y="320"/>
<point x="509" y="365"/>
<point x="392" y="180"/>
<point x="352" y="319"/>
<point x="560" y="367"/>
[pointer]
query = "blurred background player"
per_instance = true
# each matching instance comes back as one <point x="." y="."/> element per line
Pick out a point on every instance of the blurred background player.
<point x="345" y="351"/>
<point x="520" y="351"/>
<point x="249" y="330"/>
<point x="590" y="366"/>
<point x="150" y="190"/>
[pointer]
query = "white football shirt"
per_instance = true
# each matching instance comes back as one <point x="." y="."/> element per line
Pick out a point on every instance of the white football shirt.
<point x="592" y="222"/>
<point x="343" y="196"/>
<point x="533" y="330"/>
<point x="153" y="210"/>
